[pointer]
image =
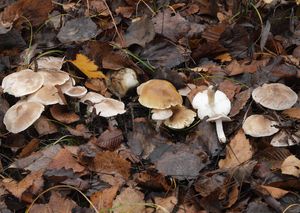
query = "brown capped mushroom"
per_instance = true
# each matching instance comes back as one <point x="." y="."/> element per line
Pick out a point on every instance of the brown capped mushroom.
<point x="54" y="77"/>
<point x="47" y="95"/>
<point x="275" y="96"/>
<point x="22" y="83"/>
<point x="22" y="115"/>
<point x="259" y="126"/>
<point x="158" y="94"/>
<point x="181" y="118"/>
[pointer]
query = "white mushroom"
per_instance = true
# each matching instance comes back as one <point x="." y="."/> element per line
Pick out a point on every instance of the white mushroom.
<point x="78" y="91"/>
<point x="67" y="85"/>
<point x="22" y="115"/>
<point x="92" y="97"/>
<point x="47" y="95"/>
<point x="109" y="107"/>
<point x="54" y="77"/>
<point x="161" y="114"/>
<point x="49" y="62"/>
<point x="22" y="83"/>
<point x="216" y="106"/>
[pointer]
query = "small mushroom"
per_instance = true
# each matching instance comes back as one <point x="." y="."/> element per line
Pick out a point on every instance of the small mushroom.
<point x="216" y="106"/>
<point x="54" y="77"/>
<point x="92" y="97"/>
<point x="47" y="95"/>
<point x="49" y="62"/>
<point x="181" y="118"/>
<point x="275" y="96"/>
<point x="259" y="126"/>
<point x="67" y="85"/>
<point x="120" y="82"/>
<point x="158" y="94"/>
<point x="109" y="107"/>
<point x="282" y="139"/>
<point x="78" y="91"/>
<point x="22" y="83"/>
<point x="159" y="115"/>
<point x="22" y="115"/>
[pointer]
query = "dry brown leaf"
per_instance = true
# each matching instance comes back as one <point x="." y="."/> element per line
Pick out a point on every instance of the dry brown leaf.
<point x="238" y="151"/>
<point x="33" y="180"/>
<point x="126" y="12"/>
<point x="57" y="204"/>
<point x="29" y="148"/>
<point x="62" y="114"/>
<point x="292" y="112"/>
<point x="276" y="193"/>
<point x="96" y="84"/>
<point x="130" y="201"/>
<point x="64" y="159"/>
<point x="238" y="67"/>
<point x="240" y="101"/>
<point x="229" y="88"/>
<point x="110" y="162"/>
<point x="80" y="130"/>
<point x="153" y="180"/>
<point x="166" y="204"/>
<point x="45" y="127"/>
<point x="291" y="166"/>
<point x="103" y="199"/>
<point x="110" y="139"/>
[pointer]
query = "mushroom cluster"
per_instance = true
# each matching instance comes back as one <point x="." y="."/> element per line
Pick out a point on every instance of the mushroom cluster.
<point x="166" y="104"/>
<point x="215" y="105"/>
<point x="275" y="96"/>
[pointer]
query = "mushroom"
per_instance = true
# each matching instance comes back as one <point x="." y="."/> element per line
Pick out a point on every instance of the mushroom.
<point x="158" y="94"/>
<point x="54" y="77"/>
<point x="275" y="96"/>
<point x="49" y="62"/>
<point x="181" y="118"/>
<point x="282" y="139"/>
<point x="159" y="115"/>
<point x="259" y="126"/>
<point x="92" y="97"/>
<point x="22" y="83"/>
<point x="22" y="115"/>
<point x="67" y="85"/>
<point x="78" y="91"/>
<point x="216" y="106"/>
<point x="47" y="95"/>
<point x="119" y="82"/>
<point x="109" y="107"/>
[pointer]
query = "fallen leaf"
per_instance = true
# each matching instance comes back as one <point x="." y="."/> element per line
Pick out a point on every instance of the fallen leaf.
<point x="125" y="11"/>
<point x="30" y="147"/>
<point x="88" y="67"/>
<point x="140" y="32"/>
<point x="110" y="162"/>
<point x="225" y="57"/>
<point x="64" y="159"/>
<point x="229" y="88"/>
<point x="80" y="130"/>
<point x="238" y="151"/>
<point x="57" y="204"/>
<point x="238" y="67"/>
<point x="62" y="114"/>
<point x="78" y="30"/>
<point x="291" y="166"/>
<point x="276" y="193"/>
<point x="292" y="112"/>
<point x="153" y="180"/>
<point x="181" y="165"/>
<point x="34" y="180"/>
<point x="129" y="200"/>
<point x="239" y="102"/>
<point x="110" y="139"/>
<point x="97" y="85"/>
<point x="165" y="204"/>
<point x="45" y="127"/>
<point x="103" y="200"/>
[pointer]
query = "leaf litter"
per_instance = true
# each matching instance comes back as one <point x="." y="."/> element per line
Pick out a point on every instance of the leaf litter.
<point x="76" y="156"/>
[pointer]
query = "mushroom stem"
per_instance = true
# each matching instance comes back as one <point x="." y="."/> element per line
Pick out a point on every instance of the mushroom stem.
<point x="220" y="131"/>
<point x="211" y="95"/>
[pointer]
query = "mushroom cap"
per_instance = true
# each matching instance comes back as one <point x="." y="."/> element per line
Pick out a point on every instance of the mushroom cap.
<point x="161" y="114"/>
<point x="92" y="97"/>
<point x="47" y="95"/>
<point x="282" y="139"/>
<point x="67" y="85"/>
<point x="54" y="77"/>
<point x="181" y="118"/>
<point x="221" y="104"/>
<point x="158" y="94"/>
<point x="22" y="83"/>
<point x="49" y="62"/>
<point x="259" y="126"/>
<point x="22" y="115"/>
<point x="219" y="117"/>
<point x="275" y="96"/>
<point x="109" y="107"/>
<point x="187" y="89"/>
<point x="78" y="91"/>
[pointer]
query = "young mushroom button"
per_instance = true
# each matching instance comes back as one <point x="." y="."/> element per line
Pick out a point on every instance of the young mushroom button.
<point x="216" y="106"/>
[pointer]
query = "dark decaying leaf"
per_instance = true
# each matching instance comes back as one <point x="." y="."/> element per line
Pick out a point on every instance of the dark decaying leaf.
<point x="44" y="126"/>
<point x="110" y="139"/>
<point x="181" y="165"/>
<point x="140" y="32"/>
<point x="171" y="25"/>
<point x="264" y="35"/>
<point x="152" y="180"/>
<point x="239" y="102"/>
<point x="80" y="130"/>
<point x="29" y="148"/>
<point x="78" y="30"/>
<point x="162" y="53"/>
